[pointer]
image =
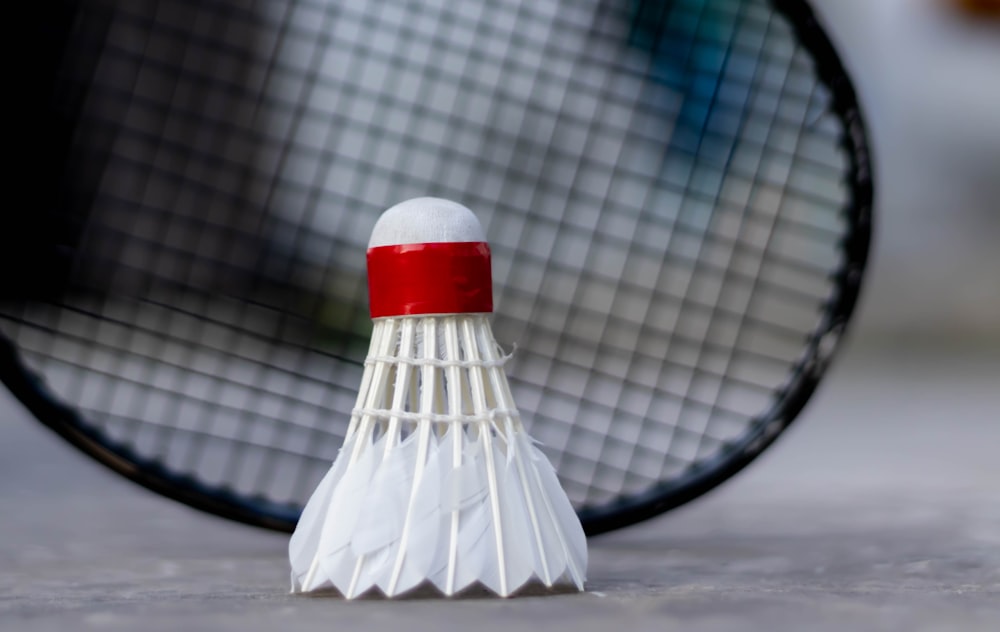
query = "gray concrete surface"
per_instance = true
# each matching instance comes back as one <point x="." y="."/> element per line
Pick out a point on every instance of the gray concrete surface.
<point x="880" y="510"/>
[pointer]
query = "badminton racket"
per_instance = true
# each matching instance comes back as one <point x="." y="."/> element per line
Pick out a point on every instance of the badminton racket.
<point x="677" y="194"/>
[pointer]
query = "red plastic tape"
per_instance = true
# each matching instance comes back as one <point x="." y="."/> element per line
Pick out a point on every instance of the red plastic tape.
<point x="439" y="278"/>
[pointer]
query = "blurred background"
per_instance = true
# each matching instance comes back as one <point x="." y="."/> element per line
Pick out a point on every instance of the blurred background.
<point x="926" y="74"/>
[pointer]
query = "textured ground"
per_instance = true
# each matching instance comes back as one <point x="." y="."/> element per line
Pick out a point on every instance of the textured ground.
<point x="880" y="510"/>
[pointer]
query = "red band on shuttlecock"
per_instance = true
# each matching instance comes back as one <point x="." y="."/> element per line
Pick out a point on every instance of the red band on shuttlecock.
<point x="437" y="278"/>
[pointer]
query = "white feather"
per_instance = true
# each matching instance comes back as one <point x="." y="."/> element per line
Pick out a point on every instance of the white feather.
<point x="533" y="541"/>
<point x="550" y="555"/>
<point x="380" y="519"/>
<point x="468" y="496"/>
<point x="423" y="515"/>
<point x="448" y="508"/>
<point x="379" y="527"/>
<point x="565" y="524"/>
<point x="421" y="491"/>
<point x="422" y="530"/>
<point x="334" y="546"/>
<point x="304" y="543"/>
<point x="519" y="554"/>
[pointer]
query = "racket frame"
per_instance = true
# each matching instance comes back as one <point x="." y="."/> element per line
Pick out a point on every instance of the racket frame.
<point x="30" y="389"/>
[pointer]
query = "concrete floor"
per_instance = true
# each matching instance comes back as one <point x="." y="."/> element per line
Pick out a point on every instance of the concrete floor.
<point x="880" y="510"/>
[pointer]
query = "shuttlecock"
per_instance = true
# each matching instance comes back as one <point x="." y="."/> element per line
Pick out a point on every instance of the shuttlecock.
<point x="437" y="483"/>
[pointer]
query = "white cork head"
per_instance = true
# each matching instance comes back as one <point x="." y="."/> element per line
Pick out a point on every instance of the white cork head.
<point x="426" y="220"/>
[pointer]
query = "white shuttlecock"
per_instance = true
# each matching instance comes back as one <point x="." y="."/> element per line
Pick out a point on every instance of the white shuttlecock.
<point x="437" y="483"/>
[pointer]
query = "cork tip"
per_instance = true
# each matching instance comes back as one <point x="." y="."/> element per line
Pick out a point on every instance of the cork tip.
<point x="426" y="220"/>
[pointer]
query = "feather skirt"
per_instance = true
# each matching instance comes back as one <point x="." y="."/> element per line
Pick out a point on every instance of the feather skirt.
<point x="437" y="482"/>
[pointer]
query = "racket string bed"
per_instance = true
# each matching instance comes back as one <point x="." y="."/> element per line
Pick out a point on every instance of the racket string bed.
<point x="676" y="192"/>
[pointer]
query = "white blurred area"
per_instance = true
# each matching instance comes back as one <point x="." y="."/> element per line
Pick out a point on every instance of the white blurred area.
<point x="928" y="75"/>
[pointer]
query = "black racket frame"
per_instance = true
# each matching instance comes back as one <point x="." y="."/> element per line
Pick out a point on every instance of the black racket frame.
<point x="30" y="389"/>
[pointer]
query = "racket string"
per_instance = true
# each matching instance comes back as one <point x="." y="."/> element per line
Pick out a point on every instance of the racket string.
<point x="666" y="218"/>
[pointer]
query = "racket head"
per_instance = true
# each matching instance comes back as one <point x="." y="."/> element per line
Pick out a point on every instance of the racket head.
<point x="200" y="307"/>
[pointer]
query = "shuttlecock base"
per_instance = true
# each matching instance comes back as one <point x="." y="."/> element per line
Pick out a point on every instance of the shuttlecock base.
<point x="427" y="590"/>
